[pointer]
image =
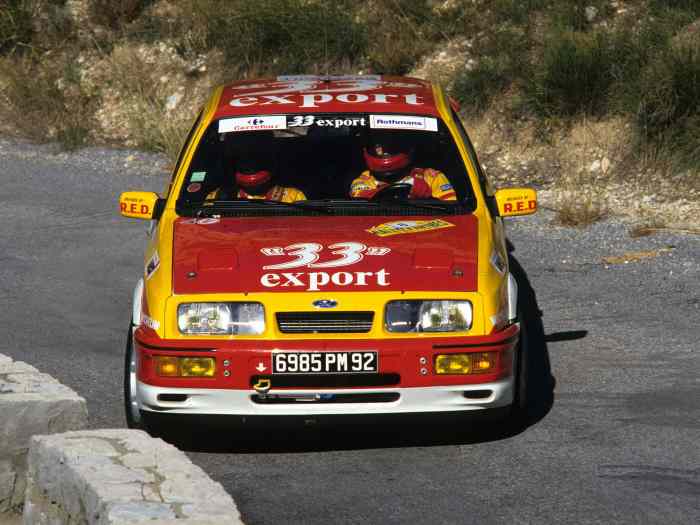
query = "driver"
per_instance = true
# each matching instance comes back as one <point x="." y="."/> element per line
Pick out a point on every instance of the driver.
<point x="389" y="162"/>
<point x="254" y="180"/>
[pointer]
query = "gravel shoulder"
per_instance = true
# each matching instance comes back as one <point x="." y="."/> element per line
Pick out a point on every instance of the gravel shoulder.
<point x="616" y="441"/>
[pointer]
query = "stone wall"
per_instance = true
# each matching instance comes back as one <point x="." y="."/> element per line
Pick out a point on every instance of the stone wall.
<point x="119" y="477"/>
<point x="31" y="403"/>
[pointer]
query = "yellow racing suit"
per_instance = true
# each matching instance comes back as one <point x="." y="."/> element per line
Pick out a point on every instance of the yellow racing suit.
<point x="425" y="182"/>
<point x="276" y="193"/>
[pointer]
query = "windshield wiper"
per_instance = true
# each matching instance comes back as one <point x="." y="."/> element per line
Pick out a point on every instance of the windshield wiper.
<point x="212" y="207"/>
<point x="304" y="205"/>
<point x="431" y="205"/>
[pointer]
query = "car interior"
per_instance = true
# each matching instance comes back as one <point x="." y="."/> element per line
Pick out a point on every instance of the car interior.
<point x="322" y="162"/>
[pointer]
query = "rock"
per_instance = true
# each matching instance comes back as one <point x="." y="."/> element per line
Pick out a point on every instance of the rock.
<point x="595" y="166"/>
<point x="172" y="101"/>
<point x="591" y="12"/>
<point x="31" y="403"/>
<point x="120" y="477"/>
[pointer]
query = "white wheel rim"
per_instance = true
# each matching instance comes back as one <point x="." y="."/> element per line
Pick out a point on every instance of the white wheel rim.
<point x="133" y="395"/>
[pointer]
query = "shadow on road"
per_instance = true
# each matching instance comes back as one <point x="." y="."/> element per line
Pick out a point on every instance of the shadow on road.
<point x="289" y="435"/>
<point x="571" y="335"/>
<point x="540" y="382"/>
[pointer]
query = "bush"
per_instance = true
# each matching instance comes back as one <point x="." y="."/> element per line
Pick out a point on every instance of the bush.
<point x="669" y="101"/>
<point x="475" y="88"/>
<point x="45" y="100"/>
<point x="275" y="36"/>
<point x="691" y="7"/>
<point x="15" y="24"/>
<point x="114" y="14"/>
<point x="574" y="76"/>
<point x="502" y="62"/>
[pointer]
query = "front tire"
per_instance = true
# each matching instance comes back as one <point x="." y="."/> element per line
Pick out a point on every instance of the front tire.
<point x="520" y="373"/>
<point x="134" y="416"/>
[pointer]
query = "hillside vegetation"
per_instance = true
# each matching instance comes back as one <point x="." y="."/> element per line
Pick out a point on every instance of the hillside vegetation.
<point x="595" y="102"/>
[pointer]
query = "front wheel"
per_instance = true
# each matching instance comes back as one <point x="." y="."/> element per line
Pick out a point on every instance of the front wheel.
<point x="131" y="405"/>
<point x="520" y="373"/>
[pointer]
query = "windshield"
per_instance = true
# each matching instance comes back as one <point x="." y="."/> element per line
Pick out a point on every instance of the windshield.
<point x="358" y="164"/>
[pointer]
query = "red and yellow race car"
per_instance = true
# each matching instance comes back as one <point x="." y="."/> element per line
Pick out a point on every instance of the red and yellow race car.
<point x="326" y="246"/>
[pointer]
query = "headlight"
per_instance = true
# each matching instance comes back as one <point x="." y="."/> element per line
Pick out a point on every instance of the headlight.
<point x="428" y="316"/>
<point x="221" y="318"/>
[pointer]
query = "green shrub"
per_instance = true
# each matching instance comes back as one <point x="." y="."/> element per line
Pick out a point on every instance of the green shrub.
<point x="274" y="36"/>
<point x="59" y="110"/>
<point x="668" y="113"/>
<point x="475" y="88"/>
<point x="690" y="6"/>
<point x="574" y="76"/>
<point x="114" y="14"/>
<point x="15" y="24"/>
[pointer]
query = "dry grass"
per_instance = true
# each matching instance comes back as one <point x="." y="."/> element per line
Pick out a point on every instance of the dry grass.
<point x="44" y="99"/>
<point x="138" y="96"/>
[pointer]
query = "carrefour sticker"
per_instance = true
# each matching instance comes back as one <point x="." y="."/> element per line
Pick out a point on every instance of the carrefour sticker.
<point x="198" y="176"/>
<point x="403" y="122"/>
<point x="259" y="123"/>
<point x="397" y="227"/>
<point x="153" y="265"/>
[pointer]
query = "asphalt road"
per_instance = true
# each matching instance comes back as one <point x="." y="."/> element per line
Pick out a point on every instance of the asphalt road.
<point x="612" y="439"/>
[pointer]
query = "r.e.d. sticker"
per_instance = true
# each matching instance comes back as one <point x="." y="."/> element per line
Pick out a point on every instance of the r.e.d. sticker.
<point x="194" y="187"/>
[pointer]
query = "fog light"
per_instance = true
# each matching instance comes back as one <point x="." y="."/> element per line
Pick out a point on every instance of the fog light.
<point x="476" y="363"/>
<point x="166" y="366"/>
<point x="197" y="366"/>
<point x="453" y="364"/>
<point x="483" y="362"/>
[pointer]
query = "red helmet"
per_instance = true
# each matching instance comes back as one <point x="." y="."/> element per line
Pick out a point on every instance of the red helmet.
<point x="386" y="156"/>
<point x="252" y="174"/>
<point x="253" y="179"/>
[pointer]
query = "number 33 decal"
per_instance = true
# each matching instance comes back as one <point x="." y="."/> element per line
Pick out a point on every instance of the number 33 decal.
<point x="307" y="253"/>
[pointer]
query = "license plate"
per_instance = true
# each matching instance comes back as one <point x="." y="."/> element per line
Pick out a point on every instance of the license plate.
<point x="325" y="362"/>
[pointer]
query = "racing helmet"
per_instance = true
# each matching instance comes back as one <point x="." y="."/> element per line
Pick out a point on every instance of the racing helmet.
<point x="388" y="155"/>
<point x="253" y="175"/>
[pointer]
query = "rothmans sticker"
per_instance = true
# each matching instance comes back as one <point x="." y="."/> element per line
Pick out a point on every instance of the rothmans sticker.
<point x="259" y="123"/>
<point x="403" y="122"/>
<point x="397" y="227"/>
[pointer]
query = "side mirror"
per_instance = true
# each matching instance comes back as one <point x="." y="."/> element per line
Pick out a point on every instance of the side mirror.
<point x="516" y="201"/>
<point x="140" y="205"/>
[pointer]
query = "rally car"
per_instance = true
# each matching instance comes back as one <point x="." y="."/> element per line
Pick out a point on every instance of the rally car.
<point x="325" y="246"/>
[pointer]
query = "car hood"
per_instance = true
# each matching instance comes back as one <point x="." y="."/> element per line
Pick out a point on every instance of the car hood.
<point x="292" y="254"/>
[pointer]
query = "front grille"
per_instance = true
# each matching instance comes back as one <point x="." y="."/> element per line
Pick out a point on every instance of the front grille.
<point x="293" y="399"/>
<point x="325" y="323"/>
<point x="329" y="380"/>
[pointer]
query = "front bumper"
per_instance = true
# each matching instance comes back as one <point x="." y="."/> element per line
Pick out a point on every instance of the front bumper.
<point x="231" y="392"/>
<point x="410" y="400"/>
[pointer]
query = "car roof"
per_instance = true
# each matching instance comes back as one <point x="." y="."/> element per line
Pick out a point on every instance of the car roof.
<point x="327" y="94"/>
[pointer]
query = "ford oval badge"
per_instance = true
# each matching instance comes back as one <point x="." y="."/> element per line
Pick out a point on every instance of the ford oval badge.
<point x="325" y="303"/>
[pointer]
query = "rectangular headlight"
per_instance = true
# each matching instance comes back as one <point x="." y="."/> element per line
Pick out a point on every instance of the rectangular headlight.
<point x="428" y="316"/>
<point x="221" y="318"/>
